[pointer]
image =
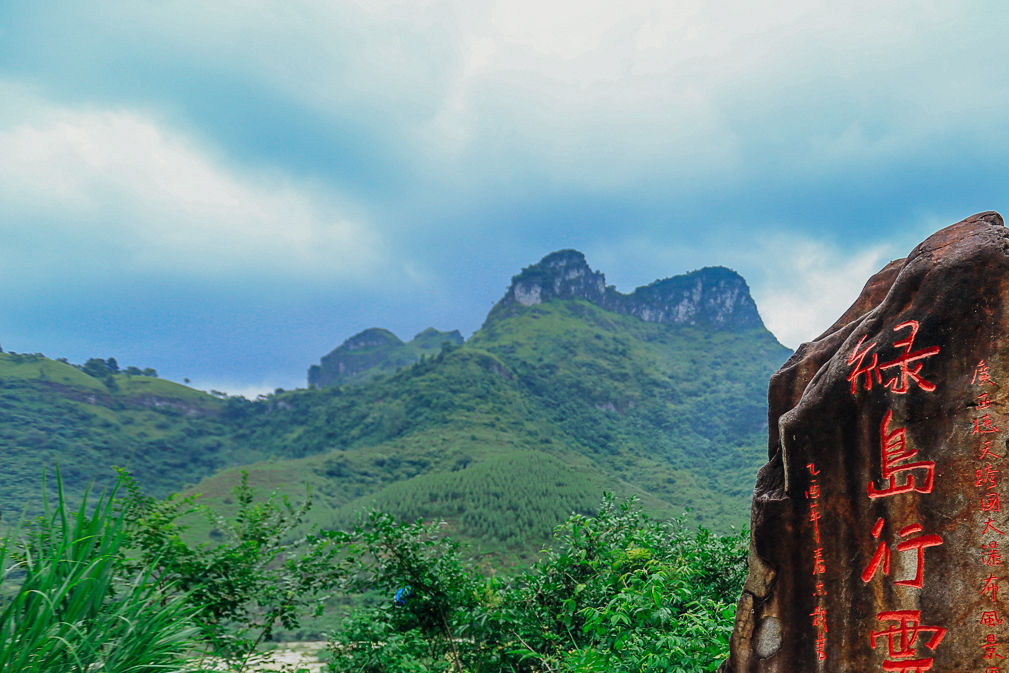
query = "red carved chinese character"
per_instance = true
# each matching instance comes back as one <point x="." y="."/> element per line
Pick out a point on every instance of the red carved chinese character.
<point x="898" y="384"/>
<point x="920" y="543"/>
<point x="986" y="451"/>
<point x="991" y="669"/>
<point x="990" y="618"/>
<point x="981" y="374"/>
<point x="992" y="556"/>
<point x="984" y="425"/>
<point x="882" y="555"/>
<point x="990" y="503"/>
<point x="987" y="477"/>
<point x="819" y="566"/>
<point x="991" y="587"/>
<point x="894" y="450"/>
<point x="988" y="527"/>
<point x="812" y="469"/>
<point x="819" y="616"/>
<point x="813" y="492"/>
<point x="819" y="590"/>
<point x="901" y="639"/>
<point x="991" y="642"/>
<point x="814" y="516"/>
<point x="859" y="370"/>
<point x="983" y="402"/>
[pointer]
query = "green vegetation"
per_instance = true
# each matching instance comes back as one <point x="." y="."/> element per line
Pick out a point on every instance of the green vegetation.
<point x="257" y="574"/>
<point x="375" y="352"/>
<point x="616" y="592"/>
<point x="116" y="587"/>
<point x="68" y="605"/>
<point x="491" y="442"/>
<point x="80" y="417"/>
<point x="574" y="399"/>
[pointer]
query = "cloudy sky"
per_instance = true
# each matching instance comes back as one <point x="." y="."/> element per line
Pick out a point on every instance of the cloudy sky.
<point x="226" y="191"/>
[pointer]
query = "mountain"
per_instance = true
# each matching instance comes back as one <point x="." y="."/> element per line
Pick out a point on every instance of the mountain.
<point x="374" y="352"/>
<point x="569" y="389"/>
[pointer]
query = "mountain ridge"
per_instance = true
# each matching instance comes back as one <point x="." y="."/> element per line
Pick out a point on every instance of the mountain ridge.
<point x="549" y="404"/>
<point x="714" y="296"/>
<point x="376" y="351"/>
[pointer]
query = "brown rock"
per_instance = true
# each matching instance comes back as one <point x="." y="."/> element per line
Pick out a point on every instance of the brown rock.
<point x="877" y="529"/>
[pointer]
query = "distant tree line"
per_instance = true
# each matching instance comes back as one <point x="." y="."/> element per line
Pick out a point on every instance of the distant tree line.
<point x="100" y="369"/>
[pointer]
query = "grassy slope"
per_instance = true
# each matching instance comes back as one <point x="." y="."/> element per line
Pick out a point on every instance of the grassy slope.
<point x="55" y="414"/>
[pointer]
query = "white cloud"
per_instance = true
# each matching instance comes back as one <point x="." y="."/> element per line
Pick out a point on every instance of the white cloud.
<point x="810" y="285"/>
<point x="801" y="285"/>
<point x="249" y="391"/>
<point x="76" y="181"/>
<point x="595" y="94"/>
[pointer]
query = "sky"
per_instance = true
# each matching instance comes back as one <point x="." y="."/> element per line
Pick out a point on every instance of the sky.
<point x="227" y="191"/>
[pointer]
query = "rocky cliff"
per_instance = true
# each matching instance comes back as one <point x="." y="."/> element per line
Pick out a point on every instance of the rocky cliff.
<point x="712" y="297"/>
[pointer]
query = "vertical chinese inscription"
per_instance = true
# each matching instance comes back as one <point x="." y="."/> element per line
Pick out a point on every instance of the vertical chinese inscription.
<point x="984" y="429"/>
<point x="909" y="642"/>
<point x="819" y="613"/>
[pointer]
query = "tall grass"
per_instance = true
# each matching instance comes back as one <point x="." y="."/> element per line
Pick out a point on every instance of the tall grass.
<point x="74" y="609"/>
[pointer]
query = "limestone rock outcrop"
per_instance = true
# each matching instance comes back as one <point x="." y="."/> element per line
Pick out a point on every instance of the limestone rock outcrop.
<point x="877" y="526"/>
<point x="713" y="297"/>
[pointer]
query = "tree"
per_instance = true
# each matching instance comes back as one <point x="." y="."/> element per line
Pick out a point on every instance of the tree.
<point x="261" y="572"/>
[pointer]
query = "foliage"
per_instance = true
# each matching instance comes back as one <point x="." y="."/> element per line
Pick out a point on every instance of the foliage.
<point x="620" y="592"/>
<point x="377" y="352"/>
<point x="429" y="621"/>
<point x="617" y="592"/>
<point x="258" y="574"/>
<point x="74" y="610"/>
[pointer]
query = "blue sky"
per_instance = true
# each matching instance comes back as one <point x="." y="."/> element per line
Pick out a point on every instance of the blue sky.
<point x="226" y="191"/>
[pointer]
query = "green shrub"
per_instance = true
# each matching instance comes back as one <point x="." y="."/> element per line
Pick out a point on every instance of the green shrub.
<point x="73" y="610"/>
<point x="617" y="592"/>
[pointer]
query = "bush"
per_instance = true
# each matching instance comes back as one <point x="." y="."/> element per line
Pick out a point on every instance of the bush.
<point x="258" y="574"/>
<point x="72" y="609"/>
<point x="617" y="592"/>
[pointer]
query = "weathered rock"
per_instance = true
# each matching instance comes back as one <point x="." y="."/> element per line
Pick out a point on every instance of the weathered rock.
<point x="876" y="524"/>
<point x="713" y="297"/>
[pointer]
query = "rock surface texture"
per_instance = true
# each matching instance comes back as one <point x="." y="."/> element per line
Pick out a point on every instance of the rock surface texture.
<point x="877" y="526"/>
<point x="713" y="296"/>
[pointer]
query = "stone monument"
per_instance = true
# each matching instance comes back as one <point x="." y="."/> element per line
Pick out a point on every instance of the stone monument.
<point x="877" y="524"/>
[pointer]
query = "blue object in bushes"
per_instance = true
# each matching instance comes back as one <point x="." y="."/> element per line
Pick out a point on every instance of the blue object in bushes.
<point x="402" y="595"/>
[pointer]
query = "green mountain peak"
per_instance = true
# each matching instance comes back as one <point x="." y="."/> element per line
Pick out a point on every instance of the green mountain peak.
<point x="715" y="297"/>
<point x="376" y="351"/>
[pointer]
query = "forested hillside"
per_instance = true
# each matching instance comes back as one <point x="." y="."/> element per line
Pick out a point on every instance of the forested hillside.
<point x="86" y="419"/>
<point x="568" y="390"/>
